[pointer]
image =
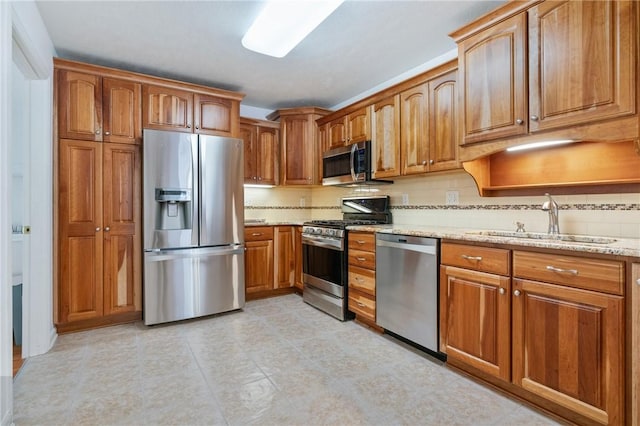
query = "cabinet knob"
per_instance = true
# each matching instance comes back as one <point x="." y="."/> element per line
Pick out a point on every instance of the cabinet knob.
<point x="197" y="127"/>
<point x="424" y="162"/>
<point x="431" y="162"/>
<point x="519" y="121"/>
<point x="107" y="133"/>
<point x="188" y="126"/>
<point x="98" y="132"/>
<point x="107" y="229"/>
<point x="255" y="178"/>
<point x="534" y="118"/>
<point x="502" y="290"/>
<point x="638" y="281"/>
<point x="259" y="178"/>
<point x="516" y="293"/>
<point x="98" y="229"/>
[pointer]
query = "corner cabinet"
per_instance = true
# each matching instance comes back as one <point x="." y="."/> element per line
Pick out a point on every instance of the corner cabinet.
<point x="548" y="327"/>
<point x="300" y="148"/>
<point x="563" y="68"/>
<point x="261" y="151"/>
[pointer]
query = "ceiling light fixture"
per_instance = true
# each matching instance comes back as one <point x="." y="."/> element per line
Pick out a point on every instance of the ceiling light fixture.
<point x="283" y="24"/>
<point x="538" y="145"/>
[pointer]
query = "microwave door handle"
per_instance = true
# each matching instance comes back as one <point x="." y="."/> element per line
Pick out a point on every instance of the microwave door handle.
<point x="354" y="147"/>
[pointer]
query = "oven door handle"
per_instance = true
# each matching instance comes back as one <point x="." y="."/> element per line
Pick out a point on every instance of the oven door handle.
<point x="323" y="242"/>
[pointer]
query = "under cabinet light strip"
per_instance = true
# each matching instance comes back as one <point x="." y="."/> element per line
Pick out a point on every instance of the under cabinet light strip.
<point x="538" y="145"/>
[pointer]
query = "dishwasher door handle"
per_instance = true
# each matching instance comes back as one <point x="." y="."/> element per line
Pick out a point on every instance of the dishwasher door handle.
<point x="405" y="246"/>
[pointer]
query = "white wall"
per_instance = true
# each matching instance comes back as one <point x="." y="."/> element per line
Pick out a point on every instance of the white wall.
<point x="20" y="23"/>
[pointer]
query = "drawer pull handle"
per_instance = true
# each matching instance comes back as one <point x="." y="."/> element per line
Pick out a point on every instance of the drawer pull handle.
<point x="360" y="259"/>
<point x="562" y="271"/>
<point x="476" y="258"/>
<point x="360" y="304"/>
<point x="256" y="234"/>
<point x="360" y="242"/>
<point x="359" y="279"/>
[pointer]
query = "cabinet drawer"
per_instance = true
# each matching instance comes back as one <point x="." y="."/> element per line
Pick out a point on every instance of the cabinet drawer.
<point x="364" y="259"/>
<point x="573" y="271"/>
<point x="362" y="241"/>
<point x="362" y="280"/>
<point x="484" y="259"/>
<point x="362" y="304"/>
<point x="258" y="233"/>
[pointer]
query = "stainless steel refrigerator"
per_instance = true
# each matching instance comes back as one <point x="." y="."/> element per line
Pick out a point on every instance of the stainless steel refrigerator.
<point x="193" y="238"/>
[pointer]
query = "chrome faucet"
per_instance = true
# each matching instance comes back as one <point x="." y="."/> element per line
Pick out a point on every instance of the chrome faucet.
<point x="552" y="207"/>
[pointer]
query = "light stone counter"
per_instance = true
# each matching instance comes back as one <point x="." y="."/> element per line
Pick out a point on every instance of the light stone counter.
<point x="249" y="223"/>
<point x="621" y="247"/>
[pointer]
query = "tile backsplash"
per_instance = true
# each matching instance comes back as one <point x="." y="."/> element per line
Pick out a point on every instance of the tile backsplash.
<point x="422" y="200"/>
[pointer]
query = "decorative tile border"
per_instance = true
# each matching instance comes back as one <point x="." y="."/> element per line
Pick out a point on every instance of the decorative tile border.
<point x="585" y="207"/>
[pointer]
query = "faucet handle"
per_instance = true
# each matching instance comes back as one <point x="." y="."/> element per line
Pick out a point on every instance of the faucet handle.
<point x="520" y="227"/>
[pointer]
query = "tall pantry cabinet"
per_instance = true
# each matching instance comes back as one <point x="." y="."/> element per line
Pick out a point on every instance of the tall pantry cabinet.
<point x="98" y="200"/>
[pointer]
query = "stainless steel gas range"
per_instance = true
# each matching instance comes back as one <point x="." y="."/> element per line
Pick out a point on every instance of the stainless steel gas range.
<point x="324" y="251"/>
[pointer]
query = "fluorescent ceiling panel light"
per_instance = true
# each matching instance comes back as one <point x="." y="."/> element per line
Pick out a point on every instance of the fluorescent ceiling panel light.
<point x="538" y="145"/>
<point x="283" y="24"/>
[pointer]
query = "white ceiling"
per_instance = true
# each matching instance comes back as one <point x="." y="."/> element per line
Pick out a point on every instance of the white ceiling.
<point x="363" y="44"/>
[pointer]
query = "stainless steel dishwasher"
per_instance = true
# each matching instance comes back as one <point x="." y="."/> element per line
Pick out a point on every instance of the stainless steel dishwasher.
<point x="407" y="288"/>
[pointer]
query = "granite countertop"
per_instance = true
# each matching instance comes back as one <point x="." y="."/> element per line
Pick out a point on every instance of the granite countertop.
<point x="260" y="222"/>
<point x="620" y="247"/>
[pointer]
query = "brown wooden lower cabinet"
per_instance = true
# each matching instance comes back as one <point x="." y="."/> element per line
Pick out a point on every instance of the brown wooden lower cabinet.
<point x="99" y="258"/>
<point x="362" y="276"/>
<point x="270" y="260"/>
<point x="557" y="342"/>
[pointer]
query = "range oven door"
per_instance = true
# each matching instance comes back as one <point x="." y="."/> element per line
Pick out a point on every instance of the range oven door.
<point x="324" y="268"/>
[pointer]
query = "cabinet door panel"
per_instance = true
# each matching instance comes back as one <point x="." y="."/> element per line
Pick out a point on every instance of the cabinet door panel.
<point x="284" y="259"/>
<point x="268" y="147"/>
<point x="299" y="151"/>
<point x="386" y="137"/>
<point x="358" y="124"/>
<point x="582" y="65"/>
<point x="166" y="109"/>
<point x="492" y="68"/>
<point x="216" y="116"/>
<point x="337" y="133"/>
<point x="414" y="130"/>
<point x="475" y="319"/>
<point x="80" y="227"/>
<point x="122" y="111"/>
<point x="79" y="106"/>
<point x="248" y="135"/>
<point x="259" y="266"/>
<point x="121" y="196"/>
<point x="568" y="347"/>
<point x="443" y="124"/>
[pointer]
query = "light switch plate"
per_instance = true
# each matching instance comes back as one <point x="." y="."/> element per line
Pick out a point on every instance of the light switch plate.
<point x="452" y="198"/>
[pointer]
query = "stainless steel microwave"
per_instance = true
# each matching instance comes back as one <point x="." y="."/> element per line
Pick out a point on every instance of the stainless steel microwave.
<point x="349" y="166"/>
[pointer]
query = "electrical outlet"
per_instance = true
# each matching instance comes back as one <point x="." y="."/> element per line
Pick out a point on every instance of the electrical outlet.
<point x="303" y="201"/>
<point x="405" y="199"/>
<point x="452" y="198"/>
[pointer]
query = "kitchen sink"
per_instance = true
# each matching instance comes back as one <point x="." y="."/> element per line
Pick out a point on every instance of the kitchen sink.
<point x="568" y="238"/>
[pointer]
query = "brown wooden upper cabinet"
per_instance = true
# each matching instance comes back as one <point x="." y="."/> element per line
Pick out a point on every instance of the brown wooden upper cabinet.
<point x="300" y="148"/>
<point x="351" y="128"/>
<point x="166" y="108"/>
<point x="95" y="108"/>
<point x="261" y="150"/>
<point x="580" y="58"/>
<point x="385" y="132"/>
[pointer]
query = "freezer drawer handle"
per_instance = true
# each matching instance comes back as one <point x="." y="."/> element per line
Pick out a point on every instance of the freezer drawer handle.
<point x="161" y="256"/>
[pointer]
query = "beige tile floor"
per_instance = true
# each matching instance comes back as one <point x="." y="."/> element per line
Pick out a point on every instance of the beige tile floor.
<point x="277" y="362"/>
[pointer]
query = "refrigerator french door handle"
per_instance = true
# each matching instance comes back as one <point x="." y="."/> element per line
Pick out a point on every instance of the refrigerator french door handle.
<point x="195" y="196"/>
<point x="163" y="255"/>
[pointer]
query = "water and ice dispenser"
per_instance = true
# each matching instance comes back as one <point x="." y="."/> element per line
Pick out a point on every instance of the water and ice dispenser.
<point x="173" y="208"/>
